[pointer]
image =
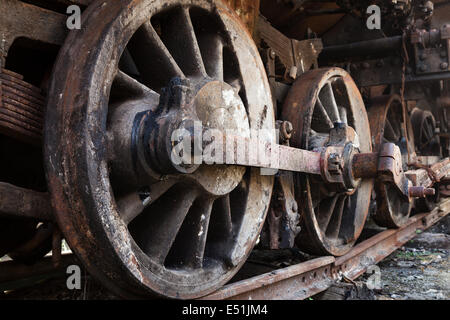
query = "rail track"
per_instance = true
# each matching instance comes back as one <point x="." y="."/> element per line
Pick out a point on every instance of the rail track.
<point x="306" y="279"/>
<point x="296" y="282"/>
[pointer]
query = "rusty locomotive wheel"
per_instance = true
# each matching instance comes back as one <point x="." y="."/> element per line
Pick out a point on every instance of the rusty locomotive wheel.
<point x="426" y="139"/>
<point x="387" y="126"/>
<point x="319" y="103"/>
<point x="427" y="144"/>
<point x="136" y="69"/>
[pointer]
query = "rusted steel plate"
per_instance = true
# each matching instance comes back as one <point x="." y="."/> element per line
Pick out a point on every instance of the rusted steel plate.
<point x="4" y="116"/>
<point x="21" y="108"/>
<point x="22" y="91"/>
<point x="23" y="103"/>
<point x="15" y="113"/>
<point x="295" y="282"/>
<point x="32" y="118"/>
<point x="9" y="75"/>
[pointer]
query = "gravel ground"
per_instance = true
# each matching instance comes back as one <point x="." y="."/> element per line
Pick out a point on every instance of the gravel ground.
<point x="421" y="269"/>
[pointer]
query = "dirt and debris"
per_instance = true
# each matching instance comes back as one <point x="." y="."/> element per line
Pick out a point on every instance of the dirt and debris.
<point x="420" y="270"/>
<point x="54" y="288"/>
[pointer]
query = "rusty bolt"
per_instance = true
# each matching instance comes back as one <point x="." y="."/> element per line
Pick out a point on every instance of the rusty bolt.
<point x="444" y="65"/>
<point x="272" y="54"/>
<point x="294" y="206"/>
<point x="420" y="192"/>
<point x="286" y="130"/>
<point x="423" y="68"/>
<point x="335" y="163"/>
<point x="366" y="65"/>
<point x="287" y="127"/>
<point x="293" y="72"/>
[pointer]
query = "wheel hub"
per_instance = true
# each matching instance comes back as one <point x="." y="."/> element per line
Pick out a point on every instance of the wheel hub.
<point x="337" y="159"/>
<point x="189" y="128"/>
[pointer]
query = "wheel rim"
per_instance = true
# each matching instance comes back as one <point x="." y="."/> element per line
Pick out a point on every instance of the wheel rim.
<point x="93" y="208"/>
<point x="386" y="124"/>
<point x="333" y="220"/>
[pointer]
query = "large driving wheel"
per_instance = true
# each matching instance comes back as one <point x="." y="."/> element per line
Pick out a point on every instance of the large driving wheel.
<point x="139" y="223"/>
<point x="387" y="125"/>
<point x="318" y="103"/>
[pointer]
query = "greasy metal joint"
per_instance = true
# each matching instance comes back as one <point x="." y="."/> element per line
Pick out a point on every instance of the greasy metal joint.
<point x="157" y="130"/>
<point x="420" y="192"/>
<point x="390" y="168"/>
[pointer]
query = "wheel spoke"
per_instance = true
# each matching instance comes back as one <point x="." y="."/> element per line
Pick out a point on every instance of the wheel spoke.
<point x="134" y="203"/>
<point x="154" y="62"/>
<point x="329" y="102"/>
<point x="335" y="223"/>
<point x="211" y="46"/>
<point x="179" y="36"/>
<point x="325" y="212"/>
<point x="124" y="86"/>
<point x="159" y="227"/>
<point x="429" y="130"/>
<point x="189" y="247"/>
<point x="321" y="121"/>
<point x="222" y="217"/>
<point x="389" y="132"/>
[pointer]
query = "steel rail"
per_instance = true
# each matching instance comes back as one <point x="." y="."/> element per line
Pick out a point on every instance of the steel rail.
<point x="309" y="278"/>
